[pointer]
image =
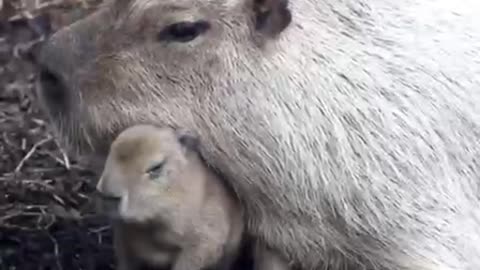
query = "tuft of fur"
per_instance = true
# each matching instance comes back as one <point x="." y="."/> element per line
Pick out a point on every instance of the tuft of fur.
<point x="352" y="138"/>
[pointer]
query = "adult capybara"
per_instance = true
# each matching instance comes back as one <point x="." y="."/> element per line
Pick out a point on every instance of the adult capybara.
<point x="349" y="129"/>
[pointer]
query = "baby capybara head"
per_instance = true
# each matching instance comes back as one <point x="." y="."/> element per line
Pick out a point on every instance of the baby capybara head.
<point x="150" y="169"/>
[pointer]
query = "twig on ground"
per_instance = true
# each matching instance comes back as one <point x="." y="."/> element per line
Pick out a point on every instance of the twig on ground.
<point x="38" y="122"/>
<point x="85" y="197"/>
<point x="58" y="199"/>
<point x="9" y="216"/>
<point x="99" y="232"/>
<point x="66" y="160"/>
<point x="40" y="214"/>
<point x="8" y="141"/>
<point x="50" y="4"/>
<point x="30" y="153"/>
<point x="30" y="207"/>
<point x="17" y="214"/>
<point x="57" y="159"/>
<point x="56" y="251"/>
<point x="24" y="144"/>
<point x="42" y="183"/>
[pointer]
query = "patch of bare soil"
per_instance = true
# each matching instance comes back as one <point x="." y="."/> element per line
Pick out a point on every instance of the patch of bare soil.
<point x="46" y="216"/>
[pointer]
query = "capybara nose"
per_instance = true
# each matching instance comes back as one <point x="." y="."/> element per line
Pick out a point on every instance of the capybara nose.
<point x="105" y="204"/>
<point x="106" y="196"/>
<point x="52" y="88"/>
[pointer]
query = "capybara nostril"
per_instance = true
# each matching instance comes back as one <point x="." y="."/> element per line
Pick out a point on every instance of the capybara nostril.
<point x="52" y="88"/>
<point x="106" y="196"/>
<point x="105" y="205"/>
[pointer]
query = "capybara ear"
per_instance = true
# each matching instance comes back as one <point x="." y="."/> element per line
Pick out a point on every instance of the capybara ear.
<point x="271" y="16"/>
<point x="188" y="139"/>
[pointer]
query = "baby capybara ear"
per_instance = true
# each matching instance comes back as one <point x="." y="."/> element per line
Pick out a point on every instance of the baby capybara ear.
<point x="188" y="139"/>
<point x="271" y="16"/>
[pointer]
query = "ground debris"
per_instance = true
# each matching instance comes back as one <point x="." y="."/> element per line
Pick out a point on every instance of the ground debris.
<point x="47" y="218"/>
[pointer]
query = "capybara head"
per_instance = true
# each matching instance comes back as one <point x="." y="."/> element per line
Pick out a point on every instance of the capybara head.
<point x="349" y="129"/>
<point x="155" y="53"/>
<point x="152" y="170"/>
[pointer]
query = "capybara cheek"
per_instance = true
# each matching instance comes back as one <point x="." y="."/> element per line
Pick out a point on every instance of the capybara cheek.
<point x="129" y="210"/>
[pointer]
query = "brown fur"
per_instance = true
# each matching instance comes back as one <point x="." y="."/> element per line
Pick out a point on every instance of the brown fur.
<point x="349" y="129"/>
<point x="180" y="214"/>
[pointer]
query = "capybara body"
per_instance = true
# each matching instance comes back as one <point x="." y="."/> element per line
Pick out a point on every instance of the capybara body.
<point x="174" y="212"/>
<point x="350" y="130"/>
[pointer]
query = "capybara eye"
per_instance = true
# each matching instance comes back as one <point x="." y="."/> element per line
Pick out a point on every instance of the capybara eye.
<point x="156" y="170"/>
<point x="183" y="31"/>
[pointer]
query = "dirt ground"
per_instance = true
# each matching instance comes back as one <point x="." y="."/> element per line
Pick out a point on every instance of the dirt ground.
<point x="46" y="216"/>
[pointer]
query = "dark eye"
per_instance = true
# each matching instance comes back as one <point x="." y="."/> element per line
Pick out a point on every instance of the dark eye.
<point x="155" y="170"/>
<point x="183" y="31"/>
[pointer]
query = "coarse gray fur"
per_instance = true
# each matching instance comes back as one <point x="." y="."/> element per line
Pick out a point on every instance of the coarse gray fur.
<point x="352" y="137"/>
